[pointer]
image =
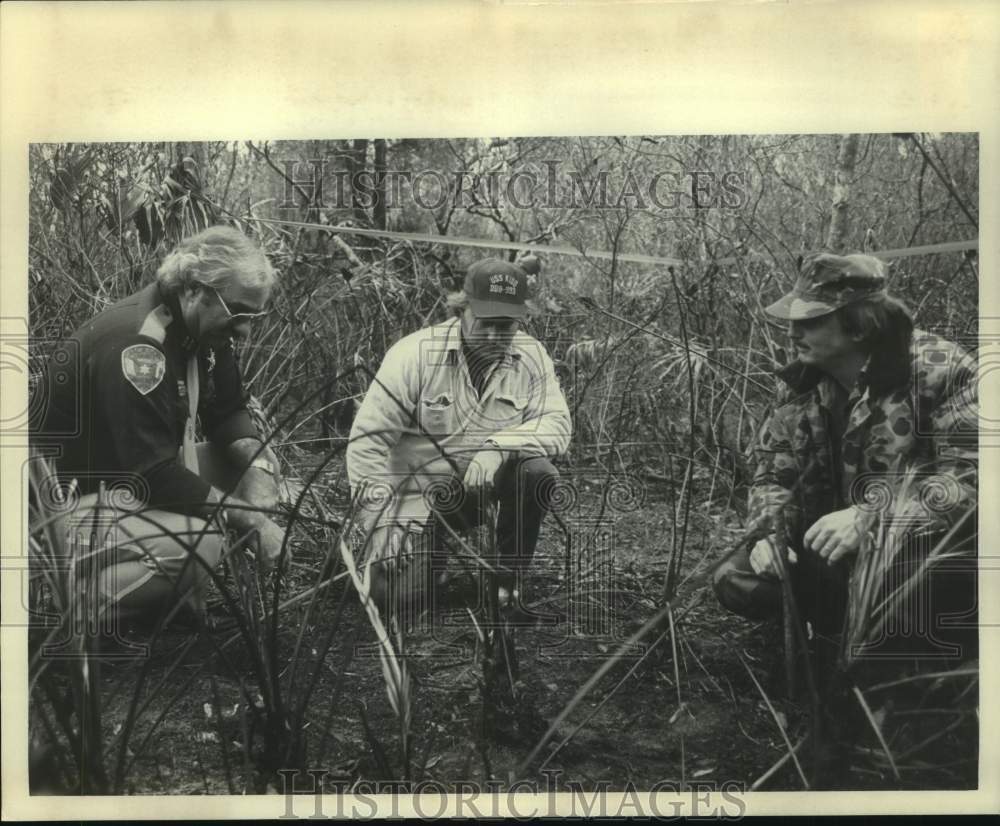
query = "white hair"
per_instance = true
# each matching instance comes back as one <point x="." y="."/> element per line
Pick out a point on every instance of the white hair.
<point x="214" y="257"/>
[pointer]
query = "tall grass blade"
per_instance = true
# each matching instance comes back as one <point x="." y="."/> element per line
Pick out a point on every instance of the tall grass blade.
<point x="777" y="721"/>
<point x="877" y="729"/>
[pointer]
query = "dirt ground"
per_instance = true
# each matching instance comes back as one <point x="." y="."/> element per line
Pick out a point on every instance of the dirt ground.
<point x="637" y="726"/>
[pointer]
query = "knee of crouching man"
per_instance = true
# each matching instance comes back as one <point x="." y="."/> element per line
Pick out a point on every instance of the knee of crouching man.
<point x="536" y="477"/>
<point x="536" y="468"/>
<point x="722" y="583"/>
<point x="743" y="592"/>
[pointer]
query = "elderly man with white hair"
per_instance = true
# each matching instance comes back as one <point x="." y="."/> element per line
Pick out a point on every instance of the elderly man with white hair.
<point x="124" y="394"/>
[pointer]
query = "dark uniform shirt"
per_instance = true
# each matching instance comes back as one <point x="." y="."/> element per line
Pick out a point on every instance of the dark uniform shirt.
<point x="117" y="402"/>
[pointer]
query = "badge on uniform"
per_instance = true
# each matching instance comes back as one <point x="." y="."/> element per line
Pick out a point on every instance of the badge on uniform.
<point x="144" y="366"/>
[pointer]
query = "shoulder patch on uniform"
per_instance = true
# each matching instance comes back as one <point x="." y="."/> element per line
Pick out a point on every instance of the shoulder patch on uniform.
<point x="144" y="366"/>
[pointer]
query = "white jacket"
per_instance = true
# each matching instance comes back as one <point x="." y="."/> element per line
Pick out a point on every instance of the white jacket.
<point x="422" y="410"/>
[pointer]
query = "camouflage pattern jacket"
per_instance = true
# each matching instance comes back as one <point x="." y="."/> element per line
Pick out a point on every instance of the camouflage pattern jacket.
<point x="929" y="429"/>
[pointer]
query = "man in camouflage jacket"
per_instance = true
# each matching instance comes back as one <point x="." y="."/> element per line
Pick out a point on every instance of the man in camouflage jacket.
<point x="836" y="454"/>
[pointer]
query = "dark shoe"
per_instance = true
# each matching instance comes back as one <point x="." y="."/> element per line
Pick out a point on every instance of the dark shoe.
<point x="517" y="615"/>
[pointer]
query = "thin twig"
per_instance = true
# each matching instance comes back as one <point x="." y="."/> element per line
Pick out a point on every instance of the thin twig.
<point x="788" y="755"/>
<point x="877" y="730"/>
<point x="777" y="720"/>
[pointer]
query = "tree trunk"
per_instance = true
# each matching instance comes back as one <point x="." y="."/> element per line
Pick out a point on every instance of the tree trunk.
<point x="379" y="209"/>
<point x="836" y="237"/>
<point x="357" y="158"/>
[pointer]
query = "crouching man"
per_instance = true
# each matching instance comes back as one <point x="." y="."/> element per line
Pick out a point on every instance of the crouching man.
<point x="124" y="393"/>
<point x="874" y="438"/>
<point x="457" y="409"/>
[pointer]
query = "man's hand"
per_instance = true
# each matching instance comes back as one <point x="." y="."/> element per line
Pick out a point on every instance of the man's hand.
<point x="835" y="535"/>
<point x="270" y="538"/>
<point x="484" y="467"/>
<point x="764" y="558"/>
<point x="251" y="523"/>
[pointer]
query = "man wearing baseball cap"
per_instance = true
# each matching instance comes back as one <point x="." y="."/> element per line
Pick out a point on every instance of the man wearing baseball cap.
<point x="867" y="399"/>
<point x="455" y="409"/>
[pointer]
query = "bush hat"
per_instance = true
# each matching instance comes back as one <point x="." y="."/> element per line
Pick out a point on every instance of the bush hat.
<point x="828" y="282"/>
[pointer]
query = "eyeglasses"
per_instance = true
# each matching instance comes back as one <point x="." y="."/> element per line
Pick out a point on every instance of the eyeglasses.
<point x="239" y="316"/>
